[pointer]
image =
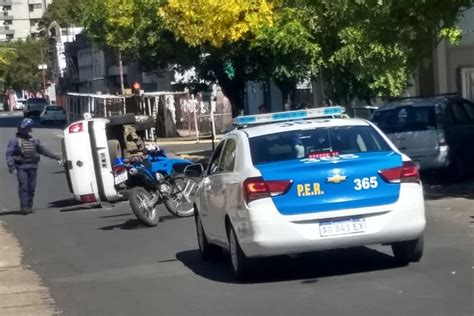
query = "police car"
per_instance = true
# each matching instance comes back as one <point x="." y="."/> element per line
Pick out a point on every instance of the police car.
<point x="301" y="181"/>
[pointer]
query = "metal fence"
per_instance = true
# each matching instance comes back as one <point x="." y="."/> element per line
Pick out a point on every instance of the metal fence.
<point x="175" y="113"/>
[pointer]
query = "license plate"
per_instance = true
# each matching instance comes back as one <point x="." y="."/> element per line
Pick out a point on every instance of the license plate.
<point x="121" y="177"/>
<point x="351" y="226"/>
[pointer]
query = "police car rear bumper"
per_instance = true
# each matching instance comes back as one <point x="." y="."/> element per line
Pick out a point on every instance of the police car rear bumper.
<point x="268" y="233"/>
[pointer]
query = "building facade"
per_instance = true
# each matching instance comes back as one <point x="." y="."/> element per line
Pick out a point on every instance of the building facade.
<point x="19" y="18"/>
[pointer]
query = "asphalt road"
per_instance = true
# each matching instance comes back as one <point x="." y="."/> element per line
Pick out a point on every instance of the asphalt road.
<point x="102" y="262"/>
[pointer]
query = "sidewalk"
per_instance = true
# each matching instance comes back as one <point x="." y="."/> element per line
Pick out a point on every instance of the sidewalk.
<point x="21" y="290"/>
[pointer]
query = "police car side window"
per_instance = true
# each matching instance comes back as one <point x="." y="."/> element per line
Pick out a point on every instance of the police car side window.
<point x="214" y="162"/>
<point x="227" y="160"/>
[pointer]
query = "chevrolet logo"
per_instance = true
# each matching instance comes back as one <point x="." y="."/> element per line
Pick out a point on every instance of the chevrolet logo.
<point x="337" y="178"/>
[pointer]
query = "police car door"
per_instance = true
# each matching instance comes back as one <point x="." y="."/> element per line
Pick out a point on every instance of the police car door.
<point x="223" y="188"/>
<point x="207" y="185"/>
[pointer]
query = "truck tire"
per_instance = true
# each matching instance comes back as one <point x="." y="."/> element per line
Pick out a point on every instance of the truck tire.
<point x="123" y="119"/>
<point x="144" y="122"/>
<point x="115" y="151"/>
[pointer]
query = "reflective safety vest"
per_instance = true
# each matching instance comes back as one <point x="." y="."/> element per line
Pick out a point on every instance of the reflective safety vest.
<point x="28" y="151"/>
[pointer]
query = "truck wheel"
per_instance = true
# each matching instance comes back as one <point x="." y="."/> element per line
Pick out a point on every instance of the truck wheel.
<point x="115" y="151"/>
<point x="123" y="119"/>
<point x="144" y="122"/>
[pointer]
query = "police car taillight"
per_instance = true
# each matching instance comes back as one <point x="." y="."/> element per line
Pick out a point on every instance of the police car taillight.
<point x="76" y="128"/>
<point x="408" y="172"/>
<point x="257" y="188"/>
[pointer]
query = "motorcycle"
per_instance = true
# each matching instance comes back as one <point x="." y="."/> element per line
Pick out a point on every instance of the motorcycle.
<point x="152" y="180"/>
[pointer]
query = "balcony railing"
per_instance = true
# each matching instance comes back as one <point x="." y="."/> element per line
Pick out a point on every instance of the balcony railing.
<point x="6" y="30"/>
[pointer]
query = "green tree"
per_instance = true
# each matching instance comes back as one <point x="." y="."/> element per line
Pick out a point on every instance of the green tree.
<point x="362" y="48"/>
<point x="21" y="72"/>
<point x="65" y="13"/>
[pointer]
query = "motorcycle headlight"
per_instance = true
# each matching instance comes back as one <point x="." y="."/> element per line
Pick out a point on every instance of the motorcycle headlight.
<point x="159" y="176"/>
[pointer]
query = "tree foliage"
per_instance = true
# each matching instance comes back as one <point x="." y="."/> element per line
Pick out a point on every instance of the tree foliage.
<point x="65" y="13"/>
<point x="361" y="48"/>
<point x="21" y="72"/>
<point x="214" y="22"/>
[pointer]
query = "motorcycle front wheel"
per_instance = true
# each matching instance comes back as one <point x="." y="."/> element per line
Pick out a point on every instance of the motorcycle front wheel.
<point x="142" y="206"/>
<point x="181" y="199"/>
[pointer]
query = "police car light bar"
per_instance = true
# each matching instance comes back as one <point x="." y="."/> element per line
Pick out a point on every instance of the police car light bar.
<point x="289" y="115"/>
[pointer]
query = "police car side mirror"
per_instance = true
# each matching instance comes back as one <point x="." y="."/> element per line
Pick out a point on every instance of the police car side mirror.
<point x="194" y="170"/>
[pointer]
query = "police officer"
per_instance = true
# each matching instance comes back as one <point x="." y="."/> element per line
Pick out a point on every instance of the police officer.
<point x="23" y="156"/>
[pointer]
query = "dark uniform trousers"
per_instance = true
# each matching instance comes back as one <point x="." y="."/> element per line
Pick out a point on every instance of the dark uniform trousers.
<point x="26" y="186"/>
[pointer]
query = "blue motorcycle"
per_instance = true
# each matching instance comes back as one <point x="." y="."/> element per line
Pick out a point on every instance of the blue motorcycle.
<point x="152" y="180"/>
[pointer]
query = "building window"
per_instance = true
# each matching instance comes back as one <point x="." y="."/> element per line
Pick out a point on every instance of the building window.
<point x="7" y="22"/>
<point x="35" y="6"/>
<point x="33" y="22"/>
<point x="7" y="8"/>
<point x="10" y="36"/>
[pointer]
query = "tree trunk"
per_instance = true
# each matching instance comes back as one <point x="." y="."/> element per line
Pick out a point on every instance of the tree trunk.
<point x="234" y="91"/>
<point x="286" y="88"/>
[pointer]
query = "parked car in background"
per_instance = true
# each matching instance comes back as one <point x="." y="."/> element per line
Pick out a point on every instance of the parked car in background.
<point x="53" y="113"/>
<point x="20" y="104"/>
<point x="435" y="132"/>
<point x="34" y="107"/>
<point x="362" y="111"/>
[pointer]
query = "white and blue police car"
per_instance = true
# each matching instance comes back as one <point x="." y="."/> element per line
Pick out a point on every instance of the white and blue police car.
<point x="309" y="180"/>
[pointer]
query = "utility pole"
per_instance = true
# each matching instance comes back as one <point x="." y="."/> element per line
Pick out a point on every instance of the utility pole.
<point x="43" y="67"/>
<point x="122" y="88"/>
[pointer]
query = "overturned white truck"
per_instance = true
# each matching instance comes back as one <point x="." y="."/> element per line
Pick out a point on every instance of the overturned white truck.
<point x="90" y="147"/>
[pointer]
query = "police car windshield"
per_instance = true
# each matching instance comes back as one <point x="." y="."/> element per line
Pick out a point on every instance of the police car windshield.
<point x="308" y="143"/>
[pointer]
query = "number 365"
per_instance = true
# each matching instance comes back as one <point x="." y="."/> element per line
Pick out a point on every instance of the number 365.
<point x="366" y="183"/>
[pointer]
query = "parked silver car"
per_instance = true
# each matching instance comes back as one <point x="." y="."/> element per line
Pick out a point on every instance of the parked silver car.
<point x="435" y="132"/>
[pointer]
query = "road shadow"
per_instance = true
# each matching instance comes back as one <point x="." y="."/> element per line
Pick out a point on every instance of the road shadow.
<point x="64" y="203"/>
<point x="131" y="224"/>
<point x="12" y="213"/>
<point x="308" y="267"/>
<point x="439" y="185"/>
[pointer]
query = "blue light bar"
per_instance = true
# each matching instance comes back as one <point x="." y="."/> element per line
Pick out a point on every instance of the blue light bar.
<point x="289" y="116"/>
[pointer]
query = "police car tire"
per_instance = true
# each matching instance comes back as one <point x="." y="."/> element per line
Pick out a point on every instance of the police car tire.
<point x="115" y="150"/>
<point x="242" y="266"/>
<point x="408" y="251"/>
<point x="208" y="251"/>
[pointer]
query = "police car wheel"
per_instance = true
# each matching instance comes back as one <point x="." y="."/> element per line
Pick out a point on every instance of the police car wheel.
<point x="241" y="265"/>
<point x="207" y="250"/>
<point x="408" y="251"/>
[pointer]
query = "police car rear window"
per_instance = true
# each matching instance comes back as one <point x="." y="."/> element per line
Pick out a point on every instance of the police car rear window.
<point x="320" y="141"/>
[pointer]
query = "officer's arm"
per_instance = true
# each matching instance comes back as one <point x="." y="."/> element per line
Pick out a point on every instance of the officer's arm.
<point x="10" y="153"/>
<point x="45" y="152"/>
